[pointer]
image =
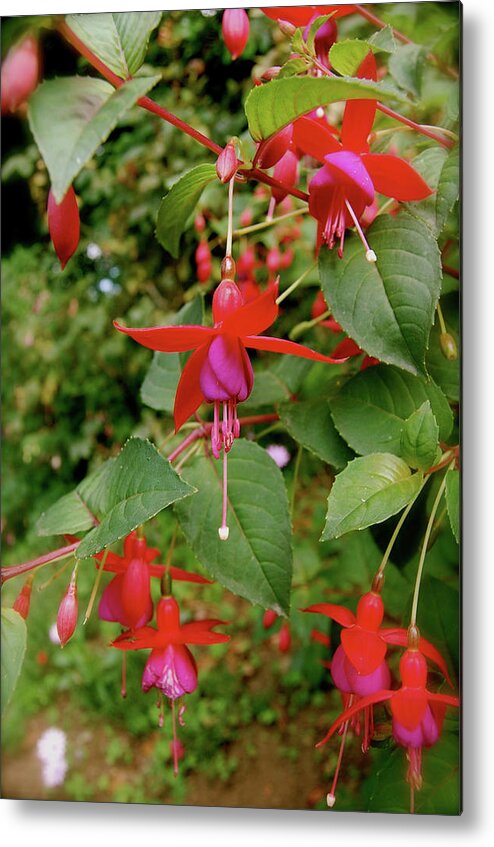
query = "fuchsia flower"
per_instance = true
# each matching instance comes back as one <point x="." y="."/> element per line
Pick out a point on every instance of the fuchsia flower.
<point x="302" y="15"/>
<point x="219" y="371"/>
<point x="359" y="667"/>
<point x="127" y="598"/>
<point x="346" y="185"/>
<point x="235" y="27"/>
<point x="171" y="667"/>
<point x="417" y="713"/>
<point x="64" y="225"/>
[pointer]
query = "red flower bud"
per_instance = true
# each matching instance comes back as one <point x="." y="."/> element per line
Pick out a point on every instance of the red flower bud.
<point x="235" y="27"/>
<point x="23" y="599"/>
<point x="246" y="217"/>
<point x="273" y="259"/>
<point x="204" y="271"/>
<point x="227" y="163"/>
<point x="286" y="259"/>
<point x="269" y="618"/>
<point x="203" y="253"/>
<point x="64" y="225"/>
<point x="271" y="73"/>
<point x="286" y="27"/>
<point x="284" y="639"/>
<point x="67" y="611"/>
<point x="199" y="223"/>
<point x="20" y="74"/>
<point x="273" y="148"/>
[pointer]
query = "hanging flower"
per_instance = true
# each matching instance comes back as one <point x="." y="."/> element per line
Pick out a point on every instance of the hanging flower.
<point x="64" y="225"/>
<point x="345" y="186"/>
<point x="127" y="598"/>
<point x="219" y="371"/>
<point x="235" y="27"/>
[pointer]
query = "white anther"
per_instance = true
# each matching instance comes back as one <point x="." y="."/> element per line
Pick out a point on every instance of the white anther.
<point x="371" y="256"/>
<point x="224" y="532"/>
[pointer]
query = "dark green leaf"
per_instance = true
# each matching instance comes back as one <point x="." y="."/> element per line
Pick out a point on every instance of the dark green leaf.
<point x="428" y="164"/>
<point x="369" y="490"/>
<point x="387" y="307"/>
<point x="268" y="390"/>
<point x="178" y="205"/>
<point x="272" y="106"/>
<point x="71" y="117"/>
<point x="139" y="485"/>
<point x="453" y="501"/>
<point x="370" y="411"/>
<point x="14" y="637"/>
<point x="445" y="372"/>
<point x="310" y="423"/>
<point x="119" y="39"/>
<point x="448" y="187"/>
<point x="420" y="438"/>
<point x="256" y="561"/>
<point x="160" y="383"/>
<point x="438" y="617"/>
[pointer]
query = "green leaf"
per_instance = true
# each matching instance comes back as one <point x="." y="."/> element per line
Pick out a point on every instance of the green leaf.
<point x="388" y="306"/>
<point x="292" y="67"/>
<point x="76" y="511"/>
<point x="176" y="208"/>
<point x="445" y="372"/>
<point x="428" y="164"/>
<point x="160" y="383"/>
<point x="407" y="66"/>
<point x="310" y="424"/>
<point x="71" y="117"/>
<point x="368" y="491"/>
<point x="14" y="637"/>
<point x="448" y="188"/>
<point x="272" y="106"/>
<point x="384" y="40"/>
<point x="268" y="390"/>
<point x="139" y="485"/>
<point x="438" y="618"/>
<point x="347" y="56"/>
<point x="371" y="410"/>
<point x="453" y="501"/>
<point x="387" y="790"/>
<point x="316" y="24"/>
<point x="119" y="39"/>
<point x="256" y="561"/>
<point x="420" y="438"/>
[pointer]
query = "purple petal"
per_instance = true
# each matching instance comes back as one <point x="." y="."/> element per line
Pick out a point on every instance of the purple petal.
<point x="425" y="734"/>
<point x="227" y="372"/>
<point x="347" y="167"/>
<point x="172" y="670"/>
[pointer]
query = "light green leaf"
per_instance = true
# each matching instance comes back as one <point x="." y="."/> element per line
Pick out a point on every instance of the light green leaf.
<point x="77" y="510"/>
<point x="428" y="164"/>
<point x="139" y="485"/>
<point x="346" y="56"/>
<point x="71" y="117"/>
<point x="272" y="106"/>
<point x="420" y="438"/>
<point x="448" y="188"/>
<point x="292" y="67"/>
<point x="453" y="501"/>
<point x="387" y="307"/>
<point x="383" y="39"/>
<point x="368" y="491"/>
<point x="314" y="27"/>
<point x="371" y="409"/>
<point x="160" y="383"/>
<point x="119" y="39"/>
<point x="256" y="561"/>
<point x="178" y="205"/>
<point x="445" y="372"/>
<point x="310" y="424"/>
<point x="14" y="637"/>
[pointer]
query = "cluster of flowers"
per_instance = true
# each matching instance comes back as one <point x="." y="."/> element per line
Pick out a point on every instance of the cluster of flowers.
<point x="361" y="673"/>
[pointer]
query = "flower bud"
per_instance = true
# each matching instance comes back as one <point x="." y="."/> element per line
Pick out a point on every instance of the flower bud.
<point x="203" y="253"/>
<point x="227" y="163"/>
<point x="246" y="217"/>
<point x="23" y="599"/>
<point x="286" y="27"/>
<point x="204" y="271"/>
<point x="270" y="151"/>
<point x="67" y="611"/>
<point x="235" y="27"/>
<point x="448" y="346"/>
<point x="284" y="639"/>
<point x="228" y="268"/>
<point x="199" y="223"/>
<point x="269" y="618"/>
<point x="20" y="74"/>
<point x="273" y="259"/>
<point x="271" y="73"/>
<point x="64" y="225"/>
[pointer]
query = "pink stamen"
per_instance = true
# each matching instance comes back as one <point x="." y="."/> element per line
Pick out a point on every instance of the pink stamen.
<point x="224" y="530"/>
<point x="123" y="689"/>
<point x="331" y="796"/>
<point x="369" y="254"/>
<point x="175" y="744"/>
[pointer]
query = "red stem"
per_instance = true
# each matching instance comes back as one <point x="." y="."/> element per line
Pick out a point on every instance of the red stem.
<point x="16" y="570"/>
<point x="203" y="431"/>
<point x="151" y="106"/>
<point x="451" y="271"/>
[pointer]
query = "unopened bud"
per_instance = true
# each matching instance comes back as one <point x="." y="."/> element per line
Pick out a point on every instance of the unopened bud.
<point x="203" y="253"/>
<point x="199" y="223"/>
<point x="269" y="618"/>
<point x="284" y="639"/>
<point x="23" y="599"/>
<point x="235" y="27"/>
<point x="271" y="73"/>
<point x="64" y="225"/>
<point x="286" y="27"/>
<point x="67" y="611"/>
<point x="448" y="346"/>
<point x="20" y="74"/>
<point x="204" y="271"/>
<point x="228" y="268"/>
<point x="227" y="163"/>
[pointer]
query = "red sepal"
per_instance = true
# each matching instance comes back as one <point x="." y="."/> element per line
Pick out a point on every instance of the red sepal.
<point x="291" y="348"/>
<point x="253" y="317"/>
<point x="359" y="114"/>
<point x="314" y="139"/>
<point x="362" y="703"/>
<point x="169" y="339"/>
<point x="340" y="614"/>
<point x="364" y="649"/>
<point x="394" y="177"/>
<point x="399" y="637"/>
<point x="189" y="395"/>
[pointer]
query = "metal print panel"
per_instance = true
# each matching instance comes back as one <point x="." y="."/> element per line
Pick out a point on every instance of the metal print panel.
<point x="231" y="265"/>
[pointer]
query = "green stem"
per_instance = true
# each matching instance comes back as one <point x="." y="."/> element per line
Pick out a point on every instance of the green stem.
<point x="97" y="581"/>
<point x="413" y="616"/>
<point x="246" y="230"/>
<point x="396" y="532"/>
<point x="295" y="284"/>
